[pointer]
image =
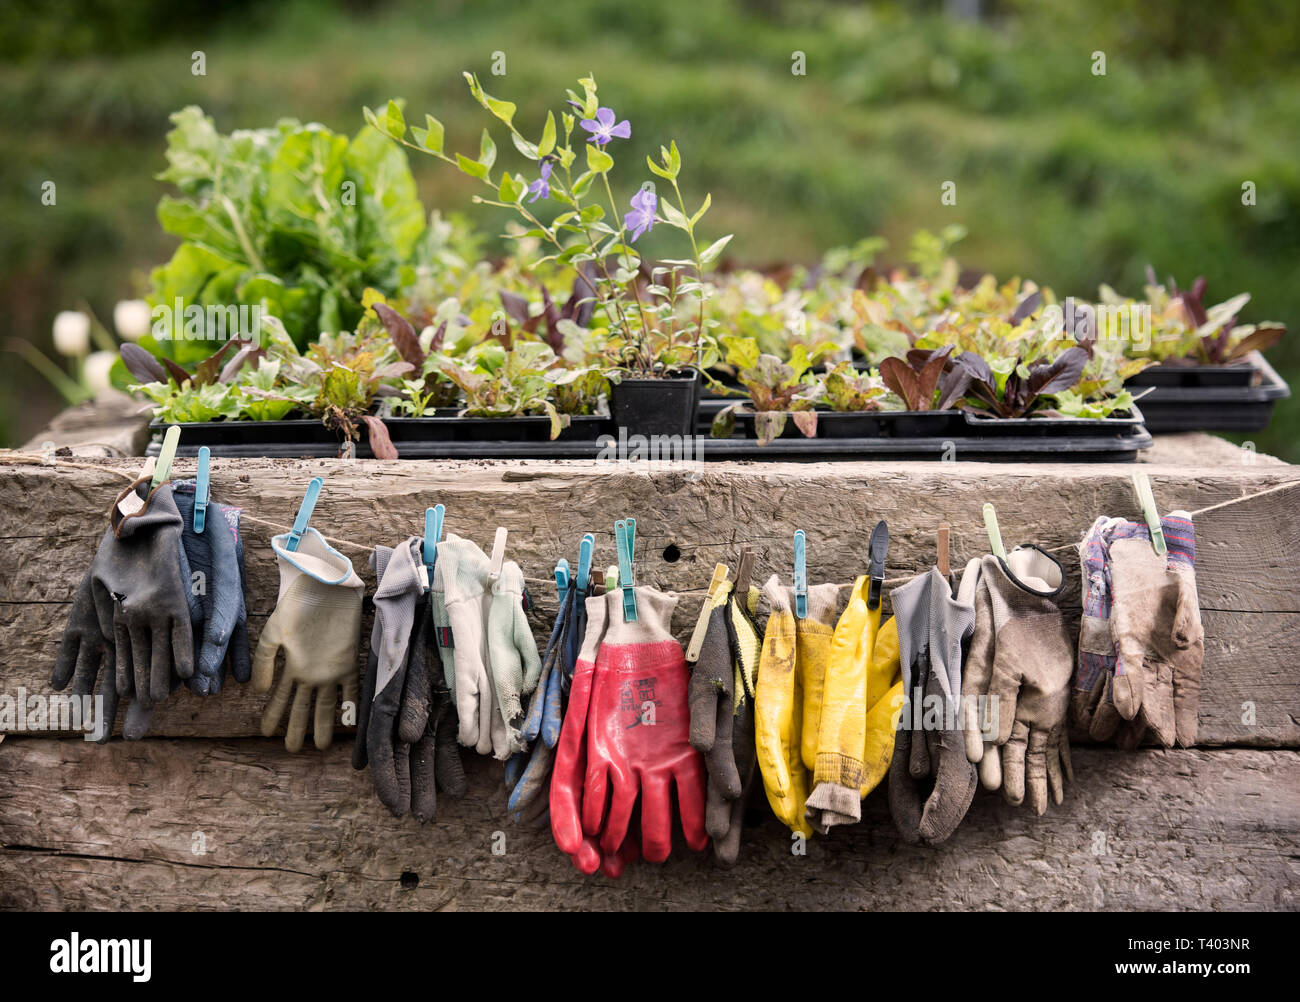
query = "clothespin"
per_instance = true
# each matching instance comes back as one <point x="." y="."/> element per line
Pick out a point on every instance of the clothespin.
<point x="433" y="518"/>
<point x="744" y="571"/>
<point x="800" y="575"/>
<point x="304" y="514"/>
<point x="995" y="534"/>
<point x="585" y="552"/>
<point x="878" y="550"/>
<point x="625" y="536"/>
<point x="1147" y="502"/>
<point x="498" y="552"/>
<point x="163" y="470"/>
<point x="611" y="578"/>
<point x="717" y="591"/>
<point x="562" y="578"/>
<point x="201" y="490"/>
<point x="945" y="568"/>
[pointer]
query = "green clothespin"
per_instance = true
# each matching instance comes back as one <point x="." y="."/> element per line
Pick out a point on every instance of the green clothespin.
<point x="995" y="534"/>
<point x="585" y="552"/>
<point x="800" y="575"/>
<point x="433" y="518"/>
<point x="611" y="578"/>
<point x="201" y="490"/>
<point x="625" y="536"/>
<point x="562" y="579"/>
<point x="162" y="471"/>
<point x="304" y="514"/>
<point x="1147" y="502"/>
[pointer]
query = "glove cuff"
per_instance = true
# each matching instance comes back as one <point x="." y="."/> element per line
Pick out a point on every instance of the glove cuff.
<point x="831" y="805"/>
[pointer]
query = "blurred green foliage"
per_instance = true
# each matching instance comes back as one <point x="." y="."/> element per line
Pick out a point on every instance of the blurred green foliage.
<point x="1061" y="175"/>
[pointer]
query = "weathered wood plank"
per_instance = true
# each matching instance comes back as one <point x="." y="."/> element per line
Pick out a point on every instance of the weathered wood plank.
<point x="1248" y="554"/>
<point x="84" y="826"/>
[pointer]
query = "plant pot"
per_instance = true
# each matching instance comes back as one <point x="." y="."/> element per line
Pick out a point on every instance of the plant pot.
<point x="657" y="406"/>
<point x="745" y="422"/>
<point x="888" y="424"/>
<point x="1237" y="397"/>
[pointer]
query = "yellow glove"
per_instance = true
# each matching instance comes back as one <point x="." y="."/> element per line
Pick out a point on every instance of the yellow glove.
<point x="793" y="651"/>
<point x="884" y="706"/>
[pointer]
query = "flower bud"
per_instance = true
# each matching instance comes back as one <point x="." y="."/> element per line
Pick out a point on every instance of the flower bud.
<point x="72" y="333"/>
<point x="132" y="318"/>
<point x="95" y="370"/>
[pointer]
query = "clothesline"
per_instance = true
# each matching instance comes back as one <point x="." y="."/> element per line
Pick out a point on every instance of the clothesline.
<point x="47" y="460"/>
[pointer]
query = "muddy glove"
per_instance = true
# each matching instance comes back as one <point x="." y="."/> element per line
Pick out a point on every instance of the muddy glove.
<point x="463" y="570"/>
<point x="512" y="651"/>
<point x="714" y="702"/>
<point x="132" y="608"/>
<point x="317" y="624"/>
<point x="1156" y="622"/>
<point x="931" y="781"/>
<point x="638" y="733"/>
<point x="852" y="758"/>
<point x="217" y="610"/>
<point x="379" y="558"/>
<point x="792" y="649"/>
<point x="568" y="776"/>
<point x="1019" y="665"/>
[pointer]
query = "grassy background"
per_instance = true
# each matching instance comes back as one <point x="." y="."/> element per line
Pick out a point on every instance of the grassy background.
<point x="1062" y="175"/>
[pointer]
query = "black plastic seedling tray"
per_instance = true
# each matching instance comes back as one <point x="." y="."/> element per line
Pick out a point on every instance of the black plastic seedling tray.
<point x="1210" y="397"/>
<point x="926" y="436"/>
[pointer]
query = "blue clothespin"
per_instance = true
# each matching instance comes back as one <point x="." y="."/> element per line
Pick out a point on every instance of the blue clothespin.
<point x="625" y="535"/>
<point x="877" y="549"/>
<point x="562" y="579"/>
<point x="800" y="575"/>
<point x="585" y="552"/>
<point x="304" y="514"/>
<point x="432" y="533"/>
<point x="162" y="470"/>
<point x="201" y="490"/>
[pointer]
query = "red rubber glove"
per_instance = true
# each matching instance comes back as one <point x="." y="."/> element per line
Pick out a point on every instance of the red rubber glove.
<point x="638" y="733"/>
<point x="569" y="770"/>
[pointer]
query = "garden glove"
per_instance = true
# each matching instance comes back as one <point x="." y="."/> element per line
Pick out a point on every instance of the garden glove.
<point x="570" y="766"/>
<point x="638" y="733"/>
<point x="852" y="758"/>
<point x="1156" y="622"/>
<point x="132" y="608"/>
<point x="316" y="623"/>
<point x="464" y="572"/>
<point x="512" y="650"/>
<point x="931" y="781"/>
<point x="378" y="560"/>
<point x="1019" y="665"/>
<point x="792" y="647"/>
<point x="217" y="609"/>
<point x="714" y="701"/>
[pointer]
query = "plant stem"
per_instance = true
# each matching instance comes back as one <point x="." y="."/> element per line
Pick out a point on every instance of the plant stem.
<point x="643" y="345"/>
<point x="699" y="274"/>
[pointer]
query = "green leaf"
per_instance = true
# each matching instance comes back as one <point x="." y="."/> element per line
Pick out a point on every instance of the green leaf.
<point x="708" y="200"/>
<point x="487" y="151"/>
<point x="663" y="172"/>
<point x="672" y="214"/>
<point x="583" y="184"/>
<point x="674" y="158"/>
<point x="592" y="213"/>
<point x="511" y="189"/>
<point x="524" y="146"/>
<point x="433" y="138"/>
<point x="598" y="161"/>
<point x="711" y="252"/>
<point x="395" y="121"/>
<point x="548" y="136"/>
<point x="471" y="167"/>
<point x="567" y="157"/>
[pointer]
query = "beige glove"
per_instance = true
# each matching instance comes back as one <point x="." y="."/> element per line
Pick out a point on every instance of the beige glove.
<point x="1020" y="662"/>
<point x="317" y="623"/>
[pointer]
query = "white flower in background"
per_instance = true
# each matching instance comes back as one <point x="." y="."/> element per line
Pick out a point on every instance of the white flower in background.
<point x="72" y="333"/>
<point x="132" y="318"/>
<point x="95" y="370"/>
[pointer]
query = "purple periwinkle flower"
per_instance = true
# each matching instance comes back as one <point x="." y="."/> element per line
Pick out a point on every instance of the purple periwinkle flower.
<point x="603" y="129"/>
<point x="642" y="216"/>
<point x="541" y="188"/>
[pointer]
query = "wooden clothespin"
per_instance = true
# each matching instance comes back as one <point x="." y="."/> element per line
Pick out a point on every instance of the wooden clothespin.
<point x="304" y="514"/>
<point x="878" y="550"/>
<point x="585" y="552"/>
<point x="1147" y="502"/>
<point x="716" y="595"/>
<point x="745" y="591"/>
<point x="800" y="575"/>
<point x="202" y="489"/>
<point x="995" y="534"/>
<point x="625" y="537"/>
<point x="498" y="552"/>
<point x="945" y="568"/>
